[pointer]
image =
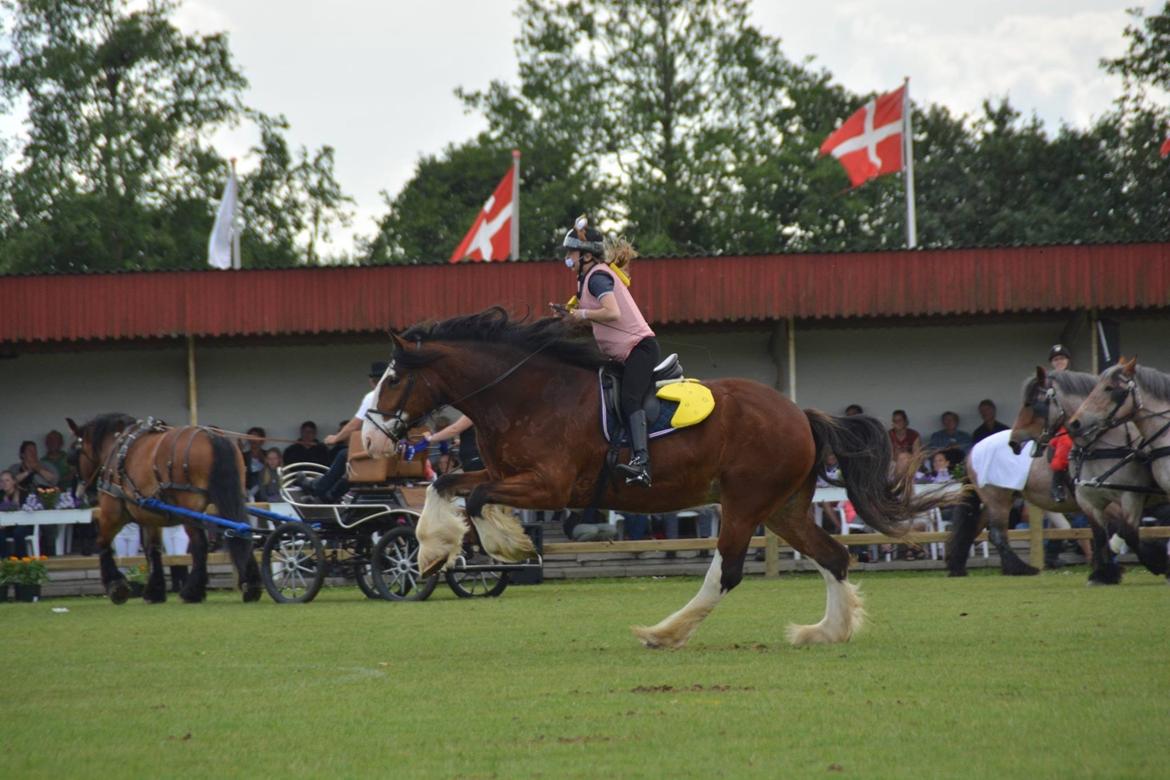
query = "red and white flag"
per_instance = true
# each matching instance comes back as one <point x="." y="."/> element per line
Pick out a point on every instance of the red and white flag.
<point x="490" y="237"/>
<point x="869" y="144"/>
<point x="1165" y="150"/>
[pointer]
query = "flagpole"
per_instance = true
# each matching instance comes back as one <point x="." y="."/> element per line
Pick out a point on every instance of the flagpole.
<point x="235" y="222"/>
<point x="908" y="168"/>
<point x="515" y="237"/>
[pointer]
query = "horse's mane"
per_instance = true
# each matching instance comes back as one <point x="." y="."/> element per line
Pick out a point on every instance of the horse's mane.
<point x="1151" y="380"/>
<point x="105" y="425"/>
<point x="550" y="336"/>
<point x="1075" y="383"/>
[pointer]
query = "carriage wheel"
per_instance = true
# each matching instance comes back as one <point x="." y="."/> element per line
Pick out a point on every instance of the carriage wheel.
<point x="293" y="563"/>
<point x="394" y="565"/>
<point x="472" y="584"/>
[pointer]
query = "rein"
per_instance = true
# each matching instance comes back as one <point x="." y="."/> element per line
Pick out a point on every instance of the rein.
<point x="402" y="424"/>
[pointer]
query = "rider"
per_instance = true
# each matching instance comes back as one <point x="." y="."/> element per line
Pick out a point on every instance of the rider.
<point x="1059" y="359"/>
<point x="619" y="327"/>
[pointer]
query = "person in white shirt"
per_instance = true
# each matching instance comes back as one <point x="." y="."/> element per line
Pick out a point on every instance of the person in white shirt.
<point x="331" y="485"/>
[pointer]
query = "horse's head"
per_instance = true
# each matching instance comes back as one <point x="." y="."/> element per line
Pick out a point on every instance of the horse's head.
<point x="1113" y="400"/>
<point x="407" y="391"/>
<point x="1038" y="416"/>
<point x="90" y="441"/>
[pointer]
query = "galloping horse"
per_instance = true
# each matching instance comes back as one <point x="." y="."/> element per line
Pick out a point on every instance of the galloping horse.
<point x="190" y="467"/>
<point x="1048" y="400"/>
<point x="1051" y="399"/>
<point x="532" y="391"/>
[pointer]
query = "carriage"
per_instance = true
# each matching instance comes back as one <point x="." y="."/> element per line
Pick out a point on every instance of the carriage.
<point x="368" y="537"/>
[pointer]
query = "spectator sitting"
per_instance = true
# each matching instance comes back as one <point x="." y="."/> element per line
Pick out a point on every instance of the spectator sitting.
<point x="989" y="425"/>
<point x="585" y="528"/>
<point x="950" y="437"/>
<point x="903" y="438"/>
<point x="30" y="473"/>
<point x="12" y="538"/>
<point x="940" y="469"/>
<point x="56" y="457"/>
<point x="852" y="410"/>
<point x="267" y="487"/>
<point x="254" y="456"/>
<point x="307" y="449"/>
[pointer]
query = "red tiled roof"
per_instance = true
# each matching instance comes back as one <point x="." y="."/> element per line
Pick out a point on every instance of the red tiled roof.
<point x="352" y="299"/>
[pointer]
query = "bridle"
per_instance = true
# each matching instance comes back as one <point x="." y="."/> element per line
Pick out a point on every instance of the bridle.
<point x="1043" y="408"/>
<point x="395" y="425"/>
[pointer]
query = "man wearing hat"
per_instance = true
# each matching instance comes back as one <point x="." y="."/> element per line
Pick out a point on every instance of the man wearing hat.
<point x="1059" y="359"/>
<point x="331" y="485"/>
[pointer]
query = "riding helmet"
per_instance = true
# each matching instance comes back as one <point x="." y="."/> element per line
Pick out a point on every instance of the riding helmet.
<point x="1058" y="349"/>
<point x="584" y="238"/>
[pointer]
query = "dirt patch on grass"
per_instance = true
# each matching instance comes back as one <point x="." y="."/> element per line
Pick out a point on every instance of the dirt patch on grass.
<point x="696" y="688"/>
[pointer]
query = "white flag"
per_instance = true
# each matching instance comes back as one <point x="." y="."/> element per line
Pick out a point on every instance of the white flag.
<point x="219" y="246"/>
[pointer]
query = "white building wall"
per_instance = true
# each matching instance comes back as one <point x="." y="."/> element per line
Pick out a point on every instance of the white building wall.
<point x="925" y="369"/>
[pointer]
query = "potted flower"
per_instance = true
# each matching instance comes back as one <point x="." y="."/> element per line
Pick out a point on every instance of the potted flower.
<point x="30" y="575"/>
<point x="136" y="579"/>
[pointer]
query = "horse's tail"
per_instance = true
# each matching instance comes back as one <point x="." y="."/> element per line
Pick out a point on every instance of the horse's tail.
<point x="883" y="497"/>
<point x="224" y="488"/>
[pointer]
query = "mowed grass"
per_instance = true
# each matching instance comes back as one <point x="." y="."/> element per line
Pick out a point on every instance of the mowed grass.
<point x="986" y="676"/>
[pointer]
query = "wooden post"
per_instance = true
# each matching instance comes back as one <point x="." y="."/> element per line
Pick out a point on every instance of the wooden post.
<point x="192" y="389"/>
<point x="1036" y="536"/>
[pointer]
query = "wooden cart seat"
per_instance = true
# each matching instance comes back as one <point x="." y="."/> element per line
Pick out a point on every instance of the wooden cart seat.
<point x="363" y="468"/>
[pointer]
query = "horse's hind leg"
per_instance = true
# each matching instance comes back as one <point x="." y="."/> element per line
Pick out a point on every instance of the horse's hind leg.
<point x="196" y="588"/>
<point x="155" y="591"/>
<point x="844" y="610"/>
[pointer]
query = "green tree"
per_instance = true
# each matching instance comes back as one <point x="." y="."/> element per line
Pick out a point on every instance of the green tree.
<point x="115" y="172"/>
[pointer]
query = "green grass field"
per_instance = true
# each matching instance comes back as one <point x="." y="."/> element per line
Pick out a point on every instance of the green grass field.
<point x="979" y="677"/>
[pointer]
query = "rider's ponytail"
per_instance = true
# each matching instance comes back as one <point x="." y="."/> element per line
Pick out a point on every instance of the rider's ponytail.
<point x="619" y="252"/>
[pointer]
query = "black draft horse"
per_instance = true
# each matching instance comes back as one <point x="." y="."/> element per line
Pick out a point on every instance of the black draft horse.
<point x="532" y="391"/>
<point x="190" y="467"/>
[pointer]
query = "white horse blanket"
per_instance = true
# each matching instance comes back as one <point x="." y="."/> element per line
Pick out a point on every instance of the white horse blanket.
<point x="995" y="463"/>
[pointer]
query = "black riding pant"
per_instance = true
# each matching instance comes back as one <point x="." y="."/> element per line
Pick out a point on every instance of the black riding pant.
<point x="638" y="371"/>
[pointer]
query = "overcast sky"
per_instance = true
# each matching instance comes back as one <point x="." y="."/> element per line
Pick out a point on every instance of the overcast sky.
<point x="375" y="78"/>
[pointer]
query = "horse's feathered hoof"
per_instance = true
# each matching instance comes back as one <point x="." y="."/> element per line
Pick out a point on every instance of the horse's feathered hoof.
<point x="252" y="593"/>
<point x="118" y="591"/>
<point x="193" y="595"/>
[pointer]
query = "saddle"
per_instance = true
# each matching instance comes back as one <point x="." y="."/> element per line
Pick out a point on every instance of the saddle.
<point x="672" y="401"/>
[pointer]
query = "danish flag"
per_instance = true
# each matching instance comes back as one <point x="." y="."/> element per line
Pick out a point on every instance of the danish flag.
<point x="869" y="144"/>
<point x="490" y="236"/>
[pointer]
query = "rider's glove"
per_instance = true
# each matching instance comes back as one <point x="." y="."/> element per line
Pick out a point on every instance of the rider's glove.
<point x="410" y="450"/>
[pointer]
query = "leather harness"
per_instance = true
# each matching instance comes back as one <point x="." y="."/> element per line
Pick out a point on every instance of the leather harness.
<point x="116" y="481"/>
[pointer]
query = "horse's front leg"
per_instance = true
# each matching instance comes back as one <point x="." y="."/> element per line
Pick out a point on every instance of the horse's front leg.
<point x="111" y="519"/>
<point x="460" y="483"/>
<point x="155" y="591"/>
<point x="444" y="523"/>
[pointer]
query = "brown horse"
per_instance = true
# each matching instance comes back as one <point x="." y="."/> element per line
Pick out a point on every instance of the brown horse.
<point x="189" y="467"/>
<point x="532" y="391"/>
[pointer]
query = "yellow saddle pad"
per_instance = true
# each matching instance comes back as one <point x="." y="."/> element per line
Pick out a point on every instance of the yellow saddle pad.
<point x="695" y="402"/>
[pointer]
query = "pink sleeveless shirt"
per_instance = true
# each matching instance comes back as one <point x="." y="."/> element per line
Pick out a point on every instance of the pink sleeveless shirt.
<point x="616" y="338"/>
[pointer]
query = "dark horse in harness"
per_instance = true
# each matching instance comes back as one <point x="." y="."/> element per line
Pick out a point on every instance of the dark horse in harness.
<point x="532" y="391"/>
<point x="189" y="467"/>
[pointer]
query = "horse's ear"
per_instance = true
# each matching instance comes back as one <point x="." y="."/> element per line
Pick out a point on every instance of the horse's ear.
<point x="1041" y="374"/>
<point x="1128" y="366"/>
<point x="73" y="426"/>
<point x="398" y="342"/>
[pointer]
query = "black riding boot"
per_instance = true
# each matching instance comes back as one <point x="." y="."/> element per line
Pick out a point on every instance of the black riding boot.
<point x="1062" y="487"/>
<point x="178" y="578"/>
<point x="637" y="471"/>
